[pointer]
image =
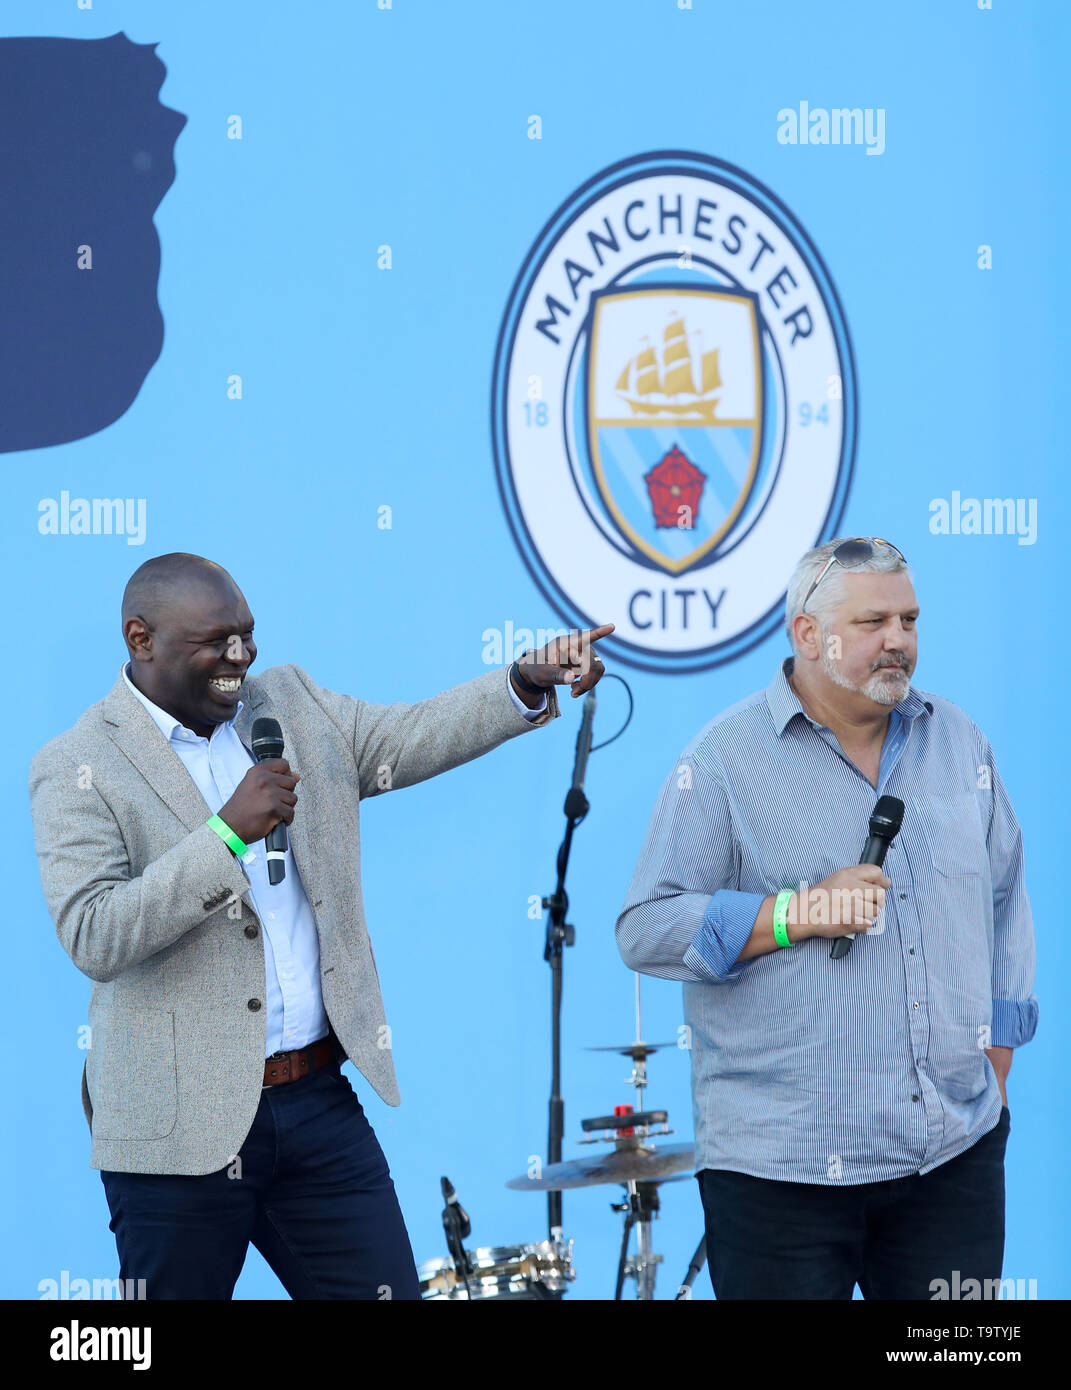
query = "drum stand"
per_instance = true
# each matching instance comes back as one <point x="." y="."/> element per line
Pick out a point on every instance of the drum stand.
<point x="640" y="1208"/>
<point x="634" y="1161"/>
<point x="641" y="1204"/>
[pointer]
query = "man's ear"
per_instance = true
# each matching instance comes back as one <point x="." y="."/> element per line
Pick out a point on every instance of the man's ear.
<point x="138" y="638"/>
<point x="808" y="637"/>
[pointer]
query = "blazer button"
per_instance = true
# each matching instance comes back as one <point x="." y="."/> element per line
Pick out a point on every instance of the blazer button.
<point x="251" y="931"/>
<point x="253" y="1005"/>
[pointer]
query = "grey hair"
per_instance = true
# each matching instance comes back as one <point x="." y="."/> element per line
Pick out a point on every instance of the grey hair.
<point x="830" y="593"/>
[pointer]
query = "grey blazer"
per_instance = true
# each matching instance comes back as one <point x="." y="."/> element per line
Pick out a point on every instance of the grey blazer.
<point x="152" y="906"/>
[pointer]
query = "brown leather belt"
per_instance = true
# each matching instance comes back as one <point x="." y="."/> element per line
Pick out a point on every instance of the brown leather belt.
<point x="281" y="1067"/>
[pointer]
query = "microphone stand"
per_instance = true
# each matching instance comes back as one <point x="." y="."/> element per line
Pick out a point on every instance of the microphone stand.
<point x="698" y="1260"/>
<point x="560" y="933"/>
<point x="457" y="1226"/>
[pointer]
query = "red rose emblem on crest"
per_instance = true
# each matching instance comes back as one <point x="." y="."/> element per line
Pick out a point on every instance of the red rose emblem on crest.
<point x="673" y="483"/>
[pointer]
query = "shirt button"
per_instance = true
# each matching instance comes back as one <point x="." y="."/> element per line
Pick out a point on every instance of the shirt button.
<point x="914" y="1097"/>
<point x="251" y="931"/>
<point x="253" y="1005"/>
<point x="903" y="896"/>
<point x="912" y="950"/>
<point x="915" y="1004"/>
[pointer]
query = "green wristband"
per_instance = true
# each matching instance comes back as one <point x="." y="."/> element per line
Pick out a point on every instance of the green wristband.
<point x="227" y="835"/>
<point x="780" y="918"/>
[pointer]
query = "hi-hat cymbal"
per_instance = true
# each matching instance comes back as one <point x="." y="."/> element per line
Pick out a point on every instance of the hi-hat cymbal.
<point x="632" y="1049"/>
<point x="629" y="1163"/>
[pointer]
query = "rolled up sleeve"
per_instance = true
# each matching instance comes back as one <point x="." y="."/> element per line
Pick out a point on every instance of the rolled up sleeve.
<point x="727" y="924"/>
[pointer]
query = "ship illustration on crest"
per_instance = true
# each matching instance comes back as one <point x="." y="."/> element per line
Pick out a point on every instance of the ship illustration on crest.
<point x="668" y="388"/>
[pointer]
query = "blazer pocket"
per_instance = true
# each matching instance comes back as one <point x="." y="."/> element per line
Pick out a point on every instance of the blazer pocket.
<point x="135" y="1083"/>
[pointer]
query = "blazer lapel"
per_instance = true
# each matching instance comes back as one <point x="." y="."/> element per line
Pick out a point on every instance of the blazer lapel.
<point x="131" y="729"/>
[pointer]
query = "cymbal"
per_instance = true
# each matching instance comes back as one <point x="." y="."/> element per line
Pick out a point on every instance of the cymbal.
<point x="632" y="1049"/>
<point x="629" y="1163"/>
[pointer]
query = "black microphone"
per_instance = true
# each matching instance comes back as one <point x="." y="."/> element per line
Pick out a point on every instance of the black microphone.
<point x="457" y="1226"/>
<point x="268" y="743"/>
<point x="576" y="803"/>
<point x="885" y="822"/>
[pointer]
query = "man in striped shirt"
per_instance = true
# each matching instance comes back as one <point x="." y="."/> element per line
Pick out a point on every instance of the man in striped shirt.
<point x="850" y="1115"/>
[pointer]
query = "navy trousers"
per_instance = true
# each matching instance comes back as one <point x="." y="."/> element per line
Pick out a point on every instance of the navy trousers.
<point x="310" y="1189"/>
<point x="789" y="1240"/>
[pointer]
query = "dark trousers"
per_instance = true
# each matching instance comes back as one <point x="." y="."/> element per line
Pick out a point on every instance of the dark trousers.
<point x="769" y="1239"/>
<point x="310" y="1189"/>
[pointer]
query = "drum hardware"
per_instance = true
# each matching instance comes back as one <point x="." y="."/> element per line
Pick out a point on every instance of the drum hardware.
<point x="635" y="1161"/>
<point x="640" y="1208"/>
<point x="543" y="1271"/>
<point x="628" y="1162"/>
<point x="641" y="1121"/>
<point x="532" y="1272"/>
<point x="638" y="1051"/>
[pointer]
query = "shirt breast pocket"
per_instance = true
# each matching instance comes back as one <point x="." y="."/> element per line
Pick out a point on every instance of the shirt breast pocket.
<point x="956" y="835"/>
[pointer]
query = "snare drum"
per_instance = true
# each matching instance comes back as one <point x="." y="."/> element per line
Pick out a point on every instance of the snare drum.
<point x="504" y="1271"/>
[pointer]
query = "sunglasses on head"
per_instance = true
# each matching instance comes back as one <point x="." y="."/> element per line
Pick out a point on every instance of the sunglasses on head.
<point x="849" y="555"/>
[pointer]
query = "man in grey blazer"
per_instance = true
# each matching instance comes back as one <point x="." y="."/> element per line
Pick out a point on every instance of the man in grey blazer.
<point x="223" y="1005"/>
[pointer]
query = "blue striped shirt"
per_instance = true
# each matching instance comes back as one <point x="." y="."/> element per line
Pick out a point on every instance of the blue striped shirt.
<point x="872" y="1067"/>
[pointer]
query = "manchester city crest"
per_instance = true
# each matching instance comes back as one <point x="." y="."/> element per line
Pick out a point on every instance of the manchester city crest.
<point x="674" y="409"/>
<point x="673" y="440"/>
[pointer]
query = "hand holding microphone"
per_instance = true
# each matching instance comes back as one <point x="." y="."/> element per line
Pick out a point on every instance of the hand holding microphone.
<point x="885" y="821"/>
<point x="852" y="898"/>
<point x="264" y="800"/>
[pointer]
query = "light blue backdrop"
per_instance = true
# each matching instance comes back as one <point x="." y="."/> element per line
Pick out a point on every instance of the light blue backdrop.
<point x="364" y="388"/>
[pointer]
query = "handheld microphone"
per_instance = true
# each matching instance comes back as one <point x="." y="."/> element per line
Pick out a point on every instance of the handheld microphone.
<point x="268" y="743"/>
<point x="885" y="822"/>
<point x="576" y="804"/>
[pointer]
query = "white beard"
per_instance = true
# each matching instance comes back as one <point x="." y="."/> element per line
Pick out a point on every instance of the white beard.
<point x="882" y="687"/>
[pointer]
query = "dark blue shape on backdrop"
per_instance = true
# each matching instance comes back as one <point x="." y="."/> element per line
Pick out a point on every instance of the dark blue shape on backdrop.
<point x="86" y="155"/>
